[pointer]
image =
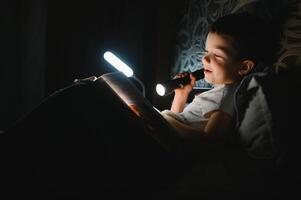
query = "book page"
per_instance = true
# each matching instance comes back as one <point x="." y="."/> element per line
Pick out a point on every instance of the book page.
<point x="130" y="94"/>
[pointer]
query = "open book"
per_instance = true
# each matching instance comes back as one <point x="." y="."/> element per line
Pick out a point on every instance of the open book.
<point x="129" y="94"/>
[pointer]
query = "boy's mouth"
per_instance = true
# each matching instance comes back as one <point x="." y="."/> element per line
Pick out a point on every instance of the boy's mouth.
<point x="207" y="71"/>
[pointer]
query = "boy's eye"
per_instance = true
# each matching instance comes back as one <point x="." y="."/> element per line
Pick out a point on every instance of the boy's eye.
<point x="217" y="56"/>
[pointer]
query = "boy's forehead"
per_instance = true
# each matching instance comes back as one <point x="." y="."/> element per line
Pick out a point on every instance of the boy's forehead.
<point x="221" y="42"/>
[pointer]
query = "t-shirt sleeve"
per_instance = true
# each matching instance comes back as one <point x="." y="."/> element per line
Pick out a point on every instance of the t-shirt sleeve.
<point x="227" y="103"/>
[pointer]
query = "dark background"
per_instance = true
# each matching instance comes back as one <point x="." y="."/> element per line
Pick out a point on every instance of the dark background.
<point x="45" y="45"/>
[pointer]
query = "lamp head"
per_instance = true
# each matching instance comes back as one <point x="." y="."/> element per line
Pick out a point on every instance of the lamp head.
<point x="118" y="64"/>
<point x="124" y="68"/>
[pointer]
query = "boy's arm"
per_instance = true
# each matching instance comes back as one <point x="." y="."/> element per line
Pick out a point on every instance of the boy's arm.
<point x="219" y="123"/>
<point x="181" y="95"/>
<point x="178" y="103"/>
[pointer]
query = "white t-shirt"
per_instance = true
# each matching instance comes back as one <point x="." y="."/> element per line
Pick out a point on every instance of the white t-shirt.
<point x="195" y="114"/>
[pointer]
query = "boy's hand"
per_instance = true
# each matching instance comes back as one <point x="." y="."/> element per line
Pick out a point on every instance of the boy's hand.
<point x="181" y="94"/>
<point x="186" y="89"/>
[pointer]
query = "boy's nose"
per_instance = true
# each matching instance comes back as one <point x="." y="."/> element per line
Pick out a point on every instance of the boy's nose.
<point x="206" y="59"/>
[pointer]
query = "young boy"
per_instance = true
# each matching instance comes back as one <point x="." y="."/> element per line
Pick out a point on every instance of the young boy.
<point x="236" y="45"/>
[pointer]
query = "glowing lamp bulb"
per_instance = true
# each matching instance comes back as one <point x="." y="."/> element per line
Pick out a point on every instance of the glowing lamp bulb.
<point x="118" y="64"/>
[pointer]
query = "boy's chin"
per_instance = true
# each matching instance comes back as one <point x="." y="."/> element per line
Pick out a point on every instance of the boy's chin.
<point x="208" y="80"/>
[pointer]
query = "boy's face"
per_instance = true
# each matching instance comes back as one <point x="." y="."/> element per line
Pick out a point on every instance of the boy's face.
<point x="220" y="64"/>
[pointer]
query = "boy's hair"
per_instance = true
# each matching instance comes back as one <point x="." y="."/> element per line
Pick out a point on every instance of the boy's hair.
<point x="251" y="37"/>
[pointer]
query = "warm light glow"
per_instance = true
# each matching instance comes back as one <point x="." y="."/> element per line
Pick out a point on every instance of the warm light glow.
<point x="118" y="64"/>
<point x="160" y="89"/>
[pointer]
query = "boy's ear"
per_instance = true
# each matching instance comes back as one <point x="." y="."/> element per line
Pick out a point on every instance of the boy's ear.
<point x="247" y="66"/>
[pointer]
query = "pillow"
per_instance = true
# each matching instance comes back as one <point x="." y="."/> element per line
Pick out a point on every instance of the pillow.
<point x="268" y="110"/>
<point x="254" y="118"/>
